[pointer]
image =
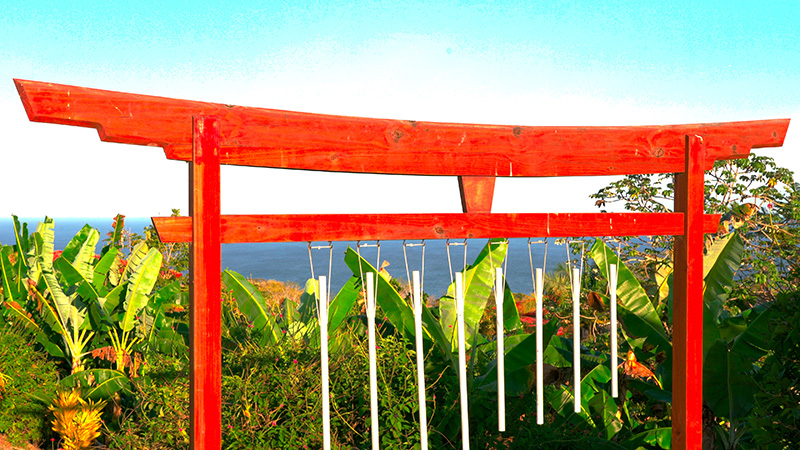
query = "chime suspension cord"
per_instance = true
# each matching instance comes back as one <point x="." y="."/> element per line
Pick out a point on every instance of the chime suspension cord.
<point x="449" y="261"/>
<point x="322" y="311"/>
<point x="538" y="288"/>
<point x="329" y="247"/>
<point x="575" y="283"/>
<point x="422" y="268"/>
<point x="415" y="287"/>
<point x="498" y="282"/>
<point x="369" y="288"/>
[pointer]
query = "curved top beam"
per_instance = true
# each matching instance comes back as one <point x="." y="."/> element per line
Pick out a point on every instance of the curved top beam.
<point x="294" y="140"/>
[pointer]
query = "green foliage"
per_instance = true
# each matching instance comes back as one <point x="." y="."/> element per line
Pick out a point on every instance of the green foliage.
<point x="754" y="196"/>
<point x="78" y="304"/>
<point x="158" y="417"/>
<point x="775" y="421"/>
<point x="26" y="372"/>
<point x="733" y="343"/>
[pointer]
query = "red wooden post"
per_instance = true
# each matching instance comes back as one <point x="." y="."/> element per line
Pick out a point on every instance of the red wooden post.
<point x="205" y="340"/>
<point x="687" y="332"/>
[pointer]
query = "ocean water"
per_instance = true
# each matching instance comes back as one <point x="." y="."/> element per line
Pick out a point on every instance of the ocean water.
<point x="289" y="262"/>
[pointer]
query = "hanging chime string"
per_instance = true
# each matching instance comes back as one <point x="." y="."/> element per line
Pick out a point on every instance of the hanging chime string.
<point x="330" y="266"/>
<point x="422" y="269"/>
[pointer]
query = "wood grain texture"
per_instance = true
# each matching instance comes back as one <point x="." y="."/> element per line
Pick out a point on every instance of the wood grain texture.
<point x="687" y="332"/>
<point x="286" y="139"/>
<point x="205" y="338"/>
<point x="477" y="194"/>
<point x="354" y="227"/>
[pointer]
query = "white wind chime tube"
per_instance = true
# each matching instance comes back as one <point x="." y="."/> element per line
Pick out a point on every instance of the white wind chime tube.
<point x="539" y="349"/>
<point x="373" y="360"/>
<point x="612" y="280"/>
<point x="323" y="337"/>
<point x="423" y="415"/>
<point x="576" y="335"/>
<point x="499" y="292"/>
<point x="462" y="360"/>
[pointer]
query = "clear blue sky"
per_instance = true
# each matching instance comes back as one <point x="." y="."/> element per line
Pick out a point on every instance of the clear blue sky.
<point x="552" y="63"/>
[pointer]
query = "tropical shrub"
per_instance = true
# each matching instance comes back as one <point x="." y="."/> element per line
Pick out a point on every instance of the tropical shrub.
<point x="775" y="421"/>
<point x="25" y="372"/>
<point x="754" y="196"/>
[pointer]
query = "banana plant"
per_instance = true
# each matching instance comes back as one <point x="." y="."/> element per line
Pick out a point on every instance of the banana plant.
<point x="298" y="321"/>
<point x="478" y="284"/>
<point x="73" y="300"/>
<point x="731" y="343"/>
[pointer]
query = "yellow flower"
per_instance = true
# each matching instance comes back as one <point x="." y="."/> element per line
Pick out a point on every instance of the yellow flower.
<point x="76" y="420"/>
<point x="4" y="379"/>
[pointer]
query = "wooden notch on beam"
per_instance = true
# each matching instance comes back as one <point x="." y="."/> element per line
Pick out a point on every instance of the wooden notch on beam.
<point x="476" y="194"/>
<point x="354" y="227"/>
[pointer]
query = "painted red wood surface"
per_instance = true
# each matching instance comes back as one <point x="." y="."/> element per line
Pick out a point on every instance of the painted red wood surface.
<point x="354" y="227"/>
<point x="477" y="193"/>
<point x="272" y="138"/>
<point x="476" y="153"/>
<point x="687" y="331"/>
<point x="205" y="338"/>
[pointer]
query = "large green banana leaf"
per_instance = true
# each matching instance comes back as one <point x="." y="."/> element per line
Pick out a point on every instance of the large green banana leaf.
<point x="398" y="312"/>
<point x="341" y="305"/>
<point x="159" y="329"/>
<point x="68" y="312"/>
<point x="753" y="342"/>
<point x="23" y="241"/>
<point x="478" y="284"/>
<point x="253" y="305"/>
<point x="597" y="406"/>
<point x="520" y="355"/>
<point x="116" y="235"/>
<point x="27" y="323"/>
<point x="719" y="266"/>
<point x="386" y="296"/>
<point x="143" y="277"/>
<point x="102" y="268"/>
<point x="728" y="383"/>
<point x="80" y="251"/>
<point x="75" y="277"/>
<point x="32" y="268"/>
<point x="98" y="384"/>
<point x="520" y="349"/>
<point x="660" y="437"/>
<point x="10" y="286"/>
<point x="635" y="310"/>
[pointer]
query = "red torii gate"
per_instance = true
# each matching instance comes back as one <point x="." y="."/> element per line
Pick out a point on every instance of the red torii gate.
<point x="208" y="135"/>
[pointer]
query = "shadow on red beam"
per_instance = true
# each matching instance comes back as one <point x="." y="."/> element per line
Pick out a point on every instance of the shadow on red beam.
<point x="354" y="227"/>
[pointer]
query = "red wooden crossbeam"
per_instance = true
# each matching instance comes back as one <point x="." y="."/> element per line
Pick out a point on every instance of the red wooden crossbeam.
<point x="285" y="139"/>
<point x="354" y="227"/>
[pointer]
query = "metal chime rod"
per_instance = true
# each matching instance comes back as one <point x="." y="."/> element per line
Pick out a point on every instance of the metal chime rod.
<point x="373" y="360"/>
<point x="462" y="360"/>
<point x="576" y="336"/>
<point x="612" y="280"/>
<point x="323" y="336"/>
<point x="539" y="349"/>
<point x="423" y="415"/>
<point x="499" y="291"/>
